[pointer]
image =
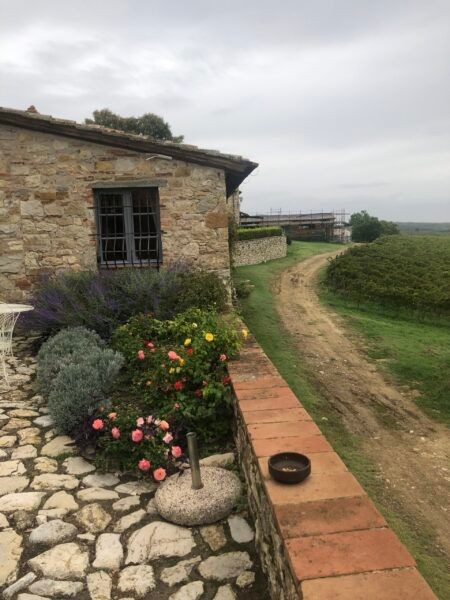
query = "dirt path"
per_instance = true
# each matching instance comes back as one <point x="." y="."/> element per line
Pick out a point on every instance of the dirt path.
<point x="414" y="455"/>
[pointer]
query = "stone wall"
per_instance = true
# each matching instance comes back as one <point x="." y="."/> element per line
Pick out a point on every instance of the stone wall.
<point x="254" y="252"/>
<point x="47" y="220"/>
<point x="269" y="543"/>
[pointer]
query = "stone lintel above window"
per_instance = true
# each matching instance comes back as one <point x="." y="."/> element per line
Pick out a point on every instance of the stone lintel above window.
<point x="129" y="183"/>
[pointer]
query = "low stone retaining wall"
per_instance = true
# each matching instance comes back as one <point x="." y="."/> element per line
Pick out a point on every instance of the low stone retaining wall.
<point x="254" y="252"/>
<point x="322" y="539"/>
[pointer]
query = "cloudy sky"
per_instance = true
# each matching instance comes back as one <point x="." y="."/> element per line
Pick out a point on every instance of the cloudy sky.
<point x="343" y="103"/>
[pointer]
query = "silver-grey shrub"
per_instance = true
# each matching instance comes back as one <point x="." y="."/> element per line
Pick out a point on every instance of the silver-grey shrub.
<point x="82" y="387"/>
<point x="67" y="347"/>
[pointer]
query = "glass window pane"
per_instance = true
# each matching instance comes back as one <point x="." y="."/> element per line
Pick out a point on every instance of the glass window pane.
<point x="111" y="203"/>
<point x="111" y="220"/>
<point x="114" y="250"/>
<point x="145" y="202"/>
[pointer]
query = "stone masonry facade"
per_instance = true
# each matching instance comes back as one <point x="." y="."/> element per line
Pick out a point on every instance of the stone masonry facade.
<point x="47" y="220"/>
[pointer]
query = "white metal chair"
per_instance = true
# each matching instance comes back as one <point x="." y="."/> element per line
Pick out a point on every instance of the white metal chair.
<point x="9" y="313"/>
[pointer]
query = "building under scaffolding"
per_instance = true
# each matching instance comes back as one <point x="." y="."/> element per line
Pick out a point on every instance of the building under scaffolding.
<point x="312" y="227"/>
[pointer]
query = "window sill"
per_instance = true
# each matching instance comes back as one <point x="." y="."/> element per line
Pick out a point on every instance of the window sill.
<point x="152" y="265"/>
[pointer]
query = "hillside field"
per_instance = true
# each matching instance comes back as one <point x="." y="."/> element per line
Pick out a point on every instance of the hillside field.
<point x="424" y="228"/>
<point x="398" y="272"/>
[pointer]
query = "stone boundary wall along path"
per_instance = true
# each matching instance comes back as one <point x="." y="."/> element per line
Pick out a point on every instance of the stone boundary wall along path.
<point x="254" y="252"/>
<point x="322" y="539"/>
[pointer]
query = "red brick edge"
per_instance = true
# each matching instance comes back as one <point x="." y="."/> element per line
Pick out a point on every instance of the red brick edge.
<point x="336" y="543"/>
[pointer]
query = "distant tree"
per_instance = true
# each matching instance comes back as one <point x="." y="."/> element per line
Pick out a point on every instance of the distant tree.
<point x="366" y="228"/>
<point x="389" y="228"/>
<point x="147" y="124"/>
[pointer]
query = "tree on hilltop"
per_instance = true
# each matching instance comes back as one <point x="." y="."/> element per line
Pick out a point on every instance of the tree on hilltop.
<point x="366" y="228"/>
<point x="147" y="124"/>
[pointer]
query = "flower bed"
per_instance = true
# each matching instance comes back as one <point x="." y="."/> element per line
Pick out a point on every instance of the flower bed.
<point x="175" y="380"/>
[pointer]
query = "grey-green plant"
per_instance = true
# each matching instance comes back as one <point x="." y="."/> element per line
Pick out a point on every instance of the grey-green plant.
<point x="68" y="346"/>
<point x="82" y="387"/>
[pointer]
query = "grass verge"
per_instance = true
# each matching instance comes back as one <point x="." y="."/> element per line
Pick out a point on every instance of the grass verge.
<point x="260" y="315"/>
<point x="414" y="353"/>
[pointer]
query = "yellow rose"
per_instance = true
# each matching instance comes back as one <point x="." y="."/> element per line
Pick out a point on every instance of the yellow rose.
<point x="187" y="341"/>
<point x="194" y="325"/>
<point x="209" y="337"/>
<point x="178" y="369"/>
<point x="171" y="370"/>
<point x="181" y="362"/>
<point x="244" y="334"/>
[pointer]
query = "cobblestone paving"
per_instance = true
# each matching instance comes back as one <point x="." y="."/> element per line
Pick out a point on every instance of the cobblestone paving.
<point x="68" y="531"/>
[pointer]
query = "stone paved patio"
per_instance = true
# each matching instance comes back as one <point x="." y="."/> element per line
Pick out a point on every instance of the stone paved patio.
<point x="68" y="531"/>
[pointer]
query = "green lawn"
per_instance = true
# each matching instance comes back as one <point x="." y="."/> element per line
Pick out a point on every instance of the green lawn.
<point x="259" y="313"/>
<point x="261" y="317"/>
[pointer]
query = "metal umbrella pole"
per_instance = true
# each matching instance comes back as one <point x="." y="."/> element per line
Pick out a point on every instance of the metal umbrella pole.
<point x="194" y="461"/>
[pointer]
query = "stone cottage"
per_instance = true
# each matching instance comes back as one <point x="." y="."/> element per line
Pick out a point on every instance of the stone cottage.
<point x="85" y="197"/>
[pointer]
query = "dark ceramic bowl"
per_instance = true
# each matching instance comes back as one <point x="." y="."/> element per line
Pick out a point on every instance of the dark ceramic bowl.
<point x="289" y="467"/>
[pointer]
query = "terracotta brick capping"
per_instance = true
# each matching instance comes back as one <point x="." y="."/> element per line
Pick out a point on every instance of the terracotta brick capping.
<point x="333" y="540"/>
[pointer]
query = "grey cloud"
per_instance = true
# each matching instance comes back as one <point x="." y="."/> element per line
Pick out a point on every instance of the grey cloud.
<point x="342" y="103"/>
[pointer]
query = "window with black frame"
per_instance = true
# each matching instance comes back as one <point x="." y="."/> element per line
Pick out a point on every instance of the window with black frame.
<point x="128" y="228"/>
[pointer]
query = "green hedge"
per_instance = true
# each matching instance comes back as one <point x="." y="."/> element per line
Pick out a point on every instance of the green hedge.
<point x="254" y="233"/>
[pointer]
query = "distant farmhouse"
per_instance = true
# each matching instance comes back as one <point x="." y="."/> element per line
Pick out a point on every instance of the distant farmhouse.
<point x="86" y="197"/>
<point x="312" y="227"/>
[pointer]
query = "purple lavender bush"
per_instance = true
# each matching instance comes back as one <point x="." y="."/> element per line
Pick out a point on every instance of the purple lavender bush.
<point x="103" y="300"/>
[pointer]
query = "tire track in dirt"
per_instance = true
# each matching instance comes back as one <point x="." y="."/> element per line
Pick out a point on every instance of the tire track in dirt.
<point x="413" y="453"/>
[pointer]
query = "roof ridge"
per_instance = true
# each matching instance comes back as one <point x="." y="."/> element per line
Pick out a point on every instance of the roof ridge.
<point x="108" y="130"/>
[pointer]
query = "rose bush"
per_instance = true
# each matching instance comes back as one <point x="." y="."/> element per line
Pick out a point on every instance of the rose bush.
<point x="130" y="441"/>
<point x="178" y="368"/>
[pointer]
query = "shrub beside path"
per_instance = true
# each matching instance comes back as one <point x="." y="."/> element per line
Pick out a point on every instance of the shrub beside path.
<point x="68" y="531"/>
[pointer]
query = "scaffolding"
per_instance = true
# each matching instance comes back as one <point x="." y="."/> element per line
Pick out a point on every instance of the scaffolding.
<point x="326" y="226"/>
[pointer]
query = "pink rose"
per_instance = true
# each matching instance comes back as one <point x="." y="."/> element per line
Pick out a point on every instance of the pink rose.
<point x="149" y="345"/>
<point x="137" y="435"/>
<point x="173" y="355"/>
<point x="149" y="419"/>
<point x="148" y="382"/>
<point x="141" y="355"/>
<point x="144" y="464"/>
<point x="140" y="421"/>
<point x="164" y="425"/>
<point x="223" y="357"/>
<point x="168" y="438"/>
<point x="176" y="451"/>
<point x="152" y="350"/>
<point x="112" y="416"/>
<point x="98" y="424"/>
<point x="115" y="432"/>
<point x="159" y="474"/>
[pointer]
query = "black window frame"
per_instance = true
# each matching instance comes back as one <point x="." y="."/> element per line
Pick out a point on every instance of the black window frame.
<point x="128" y="235"/>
